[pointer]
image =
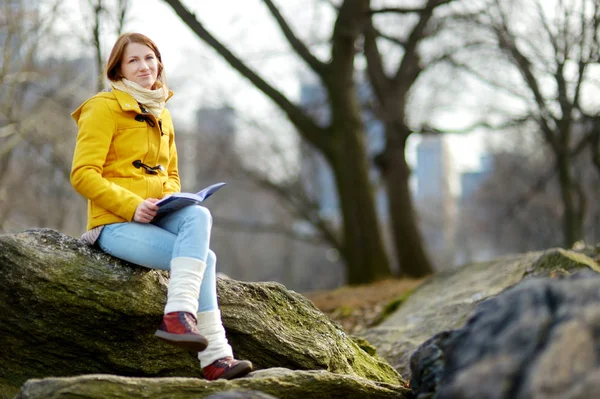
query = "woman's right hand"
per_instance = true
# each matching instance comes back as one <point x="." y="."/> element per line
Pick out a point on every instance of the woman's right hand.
<point x="146" y="211"/>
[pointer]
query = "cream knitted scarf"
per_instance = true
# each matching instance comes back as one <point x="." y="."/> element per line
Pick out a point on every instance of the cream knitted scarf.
<point x="152" y="100"/>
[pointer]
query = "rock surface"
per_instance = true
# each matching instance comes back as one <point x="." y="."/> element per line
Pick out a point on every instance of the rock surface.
<point x="281" y="383"/>
<point x="539" y="339"/>
<point x="240" y="395"/>
<point x="445" y="301"/>
<point x="70" y="310"/>
<point x="275" y="327"/>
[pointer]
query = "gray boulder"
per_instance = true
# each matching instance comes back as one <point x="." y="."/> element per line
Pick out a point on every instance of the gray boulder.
<point x="241" y="395"/>
<point x="539" y="339"/>
<point x="283" y="384"/>
<point x="445" y="301"/>
<point x="69" y="310"/>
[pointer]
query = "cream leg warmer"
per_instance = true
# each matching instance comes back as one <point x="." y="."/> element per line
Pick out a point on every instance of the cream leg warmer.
<point x="184" y="285"/>
<point x="210" y="326"/>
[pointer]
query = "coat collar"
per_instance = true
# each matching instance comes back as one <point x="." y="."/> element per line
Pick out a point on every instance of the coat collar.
<point x="128" y="103"/>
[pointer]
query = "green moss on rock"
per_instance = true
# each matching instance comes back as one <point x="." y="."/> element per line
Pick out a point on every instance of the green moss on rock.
<point x="392" y="306"/>
<point x="275" y="327"/>
<point x="281" y="383"/>
<point x="364" y="345"/>
<point x="71" y="310"/>
<point x="559" y="262"/>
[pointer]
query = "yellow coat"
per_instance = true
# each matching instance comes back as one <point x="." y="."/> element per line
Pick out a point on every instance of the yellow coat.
<point x="110" y="139"/>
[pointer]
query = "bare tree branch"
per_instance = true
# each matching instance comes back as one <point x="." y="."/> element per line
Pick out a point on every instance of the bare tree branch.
<point x="97" y="8"/>
<point x="124" y="7"/>
<point x="547" y="29"/>
<point x="535" y="189"/>
<point x="541" y="183"/>
<point x="311" y="131"/>
<point x="593" y="49"/>
<point x="293" y="195"/>
<point x="348" y="28"/>
<point x="302" y="206"/>
<point x="410" y="68"/>
<point x="507" y="43"/>
<point x="410" y="10"/>
<point x="390" y="39"/>
<point x="375" y="69"/>
<point x="300" y="48"/>
<point x="511" y="123"/>
<point x="262" y="228"/>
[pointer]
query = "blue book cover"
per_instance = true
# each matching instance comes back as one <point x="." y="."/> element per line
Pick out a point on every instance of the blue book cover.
<point x="179" y="200"/>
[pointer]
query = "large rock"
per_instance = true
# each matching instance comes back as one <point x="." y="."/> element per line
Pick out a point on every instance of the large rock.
<point x="280" y="383"/>
<point x="540" y="339"/>
<point x="68" y="310"/>
<point x="237" y="394"/>
<point x="275" y="327"/>
<point x="445" y="301"/>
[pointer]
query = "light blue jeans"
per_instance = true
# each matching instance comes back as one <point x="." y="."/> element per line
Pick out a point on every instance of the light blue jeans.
<point x="185" y="232"/>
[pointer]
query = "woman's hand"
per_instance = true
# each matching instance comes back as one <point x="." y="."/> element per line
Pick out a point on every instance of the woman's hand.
<point x="146" y="211"/>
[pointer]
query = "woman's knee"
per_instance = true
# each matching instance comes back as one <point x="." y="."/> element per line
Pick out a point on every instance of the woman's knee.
<point x="198" y="213"/>
<point x="211" y="260"/>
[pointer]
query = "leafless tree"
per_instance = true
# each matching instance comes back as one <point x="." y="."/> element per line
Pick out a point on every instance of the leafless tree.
<point x="391" y="97"/>
<point x="256" y="235"/>
<point x="105" y="15"/>
<point x="538" y="56"/>
<point x="527" y="216"/>
<point x="340" y="141"/>
<point x="34" y="120"/>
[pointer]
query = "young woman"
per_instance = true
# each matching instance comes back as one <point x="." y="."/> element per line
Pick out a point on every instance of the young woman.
<point x="125" y="161"/>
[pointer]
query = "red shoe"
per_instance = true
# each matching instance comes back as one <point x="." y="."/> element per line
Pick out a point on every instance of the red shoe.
<point x="227" y="368"/>
<point x="179" y="329"/>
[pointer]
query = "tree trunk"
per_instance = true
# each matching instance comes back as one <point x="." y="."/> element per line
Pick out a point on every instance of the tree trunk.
<point x="363" y="249"/>
<point x="364" y="252"/>
<point x="407" y="238"/>
<point x="98" y="8"/>
<point x="572" y="218"/>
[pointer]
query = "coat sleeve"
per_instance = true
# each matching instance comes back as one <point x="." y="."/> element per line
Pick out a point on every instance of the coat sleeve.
<point x="96" y="129"/>
<point x="173" y="184"/>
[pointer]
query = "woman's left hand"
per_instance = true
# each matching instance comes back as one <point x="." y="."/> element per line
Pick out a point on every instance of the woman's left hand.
<point x="146" y="211"/>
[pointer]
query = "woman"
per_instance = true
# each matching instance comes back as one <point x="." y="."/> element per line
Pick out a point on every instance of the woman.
<point x="125" y="161"/>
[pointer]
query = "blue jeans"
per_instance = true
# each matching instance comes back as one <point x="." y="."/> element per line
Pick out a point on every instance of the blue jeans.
<point x="185" y="232"/>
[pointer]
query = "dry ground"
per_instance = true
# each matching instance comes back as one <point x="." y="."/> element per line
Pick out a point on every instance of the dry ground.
<point x="359" y="307"/>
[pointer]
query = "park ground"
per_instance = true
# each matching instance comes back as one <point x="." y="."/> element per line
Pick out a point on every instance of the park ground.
<point x="359" y="307"/>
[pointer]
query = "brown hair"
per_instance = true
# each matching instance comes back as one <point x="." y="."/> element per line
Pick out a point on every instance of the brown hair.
<point x="113" y="66"/>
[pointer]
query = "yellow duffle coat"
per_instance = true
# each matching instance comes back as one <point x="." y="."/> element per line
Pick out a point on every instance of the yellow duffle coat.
<point x="113" y="134"/>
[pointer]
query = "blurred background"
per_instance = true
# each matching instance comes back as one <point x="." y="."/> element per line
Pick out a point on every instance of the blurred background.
<point x="360" y="140"/>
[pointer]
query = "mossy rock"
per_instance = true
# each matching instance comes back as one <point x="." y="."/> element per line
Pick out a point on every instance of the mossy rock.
<point x="281" y="383"/>
<point x="275" y="327"/>
<point x="392" y="306"/>
<point x="560" y="262"/>
<point x="69" y="309"/>
<point x="445" y="300"/>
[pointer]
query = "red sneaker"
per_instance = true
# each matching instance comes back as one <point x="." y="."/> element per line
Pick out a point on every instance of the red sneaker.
<point x="179" y="329"/>
<point x="227" y="368"/>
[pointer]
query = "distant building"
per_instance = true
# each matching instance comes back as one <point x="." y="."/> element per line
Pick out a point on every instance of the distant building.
<point x="216" y="121"/>
<point x="470" y="182"/>
<point x="434" y="199"/>
<point x="207" y="147"/>
<point x="433" y="162"/>
<point x="469" y="246"/>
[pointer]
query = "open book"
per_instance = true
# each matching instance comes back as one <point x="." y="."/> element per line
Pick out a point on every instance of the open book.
<point x="179" y="200"/>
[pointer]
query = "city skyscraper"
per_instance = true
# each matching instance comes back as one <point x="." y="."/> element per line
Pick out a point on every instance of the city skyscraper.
<point x="434" y="199"/>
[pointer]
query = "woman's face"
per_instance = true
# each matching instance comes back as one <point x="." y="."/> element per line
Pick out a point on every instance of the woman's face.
<point x="139" y="64"/>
